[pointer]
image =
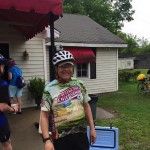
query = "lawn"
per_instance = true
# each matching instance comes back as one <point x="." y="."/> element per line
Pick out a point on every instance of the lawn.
<point x="132" y="116"/>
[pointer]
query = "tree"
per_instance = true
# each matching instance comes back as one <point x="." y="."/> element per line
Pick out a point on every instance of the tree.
<point x="122" y="12"/>
<point x="131" y="40"/>
<point x="108" y="13"/>
<point x="135" y="45"/>
<point x="144" y="46"/>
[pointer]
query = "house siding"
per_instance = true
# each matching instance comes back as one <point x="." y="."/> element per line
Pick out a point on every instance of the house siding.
<point x="30" y="68"/>
<point x="106" y="72"/>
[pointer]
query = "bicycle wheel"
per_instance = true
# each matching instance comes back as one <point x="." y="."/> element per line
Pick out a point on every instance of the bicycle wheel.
<point x="142" y="88"/>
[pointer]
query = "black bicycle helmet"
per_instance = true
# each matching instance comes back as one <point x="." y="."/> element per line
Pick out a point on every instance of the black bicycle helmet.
<point x="62" y="56"/>
<point x="2" y="60"/>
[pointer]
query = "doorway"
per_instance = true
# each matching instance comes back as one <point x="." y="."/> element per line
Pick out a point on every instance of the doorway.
<point x="4" y="50"/>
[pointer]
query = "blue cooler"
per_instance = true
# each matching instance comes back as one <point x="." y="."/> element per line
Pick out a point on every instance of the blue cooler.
<point x="106" y="138"/>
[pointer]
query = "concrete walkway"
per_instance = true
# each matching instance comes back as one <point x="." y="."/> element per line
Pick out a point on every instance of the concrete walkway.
<point x="103" y="114"/>
<point x="24" y="134"/>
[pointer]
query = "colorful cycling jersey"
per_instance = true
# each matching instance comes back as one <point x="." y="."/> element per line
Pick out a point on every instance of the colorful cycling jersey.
<point x="4" y="98"/>
<point x="66" y="101"/>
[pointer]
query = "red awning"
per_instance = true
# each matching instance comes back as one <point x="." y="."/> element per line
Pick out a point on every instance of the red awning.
<point x="29" y="17"/>
<point x="82" y="54"/>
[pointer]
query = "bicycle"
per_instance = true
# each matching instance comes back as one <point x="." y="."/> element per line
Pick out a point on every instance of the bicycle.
<point x="143" y="86"/>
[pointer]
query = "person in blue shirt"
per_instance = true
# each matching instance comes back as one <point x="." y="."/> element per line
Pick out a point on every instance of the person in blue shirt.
<point x="4" y="100"/>
<point x="13" y="72"/>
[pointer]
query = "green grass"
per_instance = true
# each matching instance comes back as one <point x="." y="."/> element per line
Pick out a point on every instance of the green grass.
<point x="144" y="71"/>
<point x="132" y="116"/>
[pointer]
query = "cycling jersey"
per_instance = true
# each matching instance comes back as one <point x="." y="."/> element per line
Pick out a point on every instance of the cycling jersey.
<point x="66" y="101"/>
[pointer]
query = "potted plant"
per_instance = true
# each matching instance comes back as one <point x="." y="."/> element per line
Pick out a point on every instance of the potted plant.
<point x="36" y="87"/>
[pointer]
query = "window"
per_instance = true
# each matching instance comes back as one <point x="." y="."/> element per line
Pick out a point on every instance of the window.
<point x="128" y="63"/>
<point x="82" y="70"/>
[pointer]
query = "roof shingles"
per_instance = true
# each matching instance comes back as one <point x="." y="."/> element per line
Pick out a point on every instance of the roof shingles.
<point x="82" y="29"/>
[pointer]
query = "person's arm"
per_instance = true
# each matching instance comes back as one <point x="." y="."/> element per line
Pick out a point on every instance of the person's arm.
<point x="45" y="129"/>
<point x="9" y="75"/>
<point x="5" y="107"/>
<point x="89" y="118"/>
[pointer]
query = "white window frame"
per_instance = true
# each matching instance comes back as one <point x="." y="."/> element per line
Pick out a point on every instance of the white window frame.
<point x="129" y="63"/>
<point x="88" y="71"/>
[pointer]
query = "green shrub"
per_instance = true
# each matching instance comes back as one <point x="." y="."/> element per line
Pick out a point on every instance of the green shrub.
<point x="124" y="75"/>
<point x="36" y="87"/>
<point x="127" y="75"/>
<point x="135" y="74"/>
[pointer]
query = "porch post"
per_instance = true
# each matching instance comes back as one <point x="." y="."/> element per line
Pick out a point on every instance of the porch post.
<point x="52" y="49"/>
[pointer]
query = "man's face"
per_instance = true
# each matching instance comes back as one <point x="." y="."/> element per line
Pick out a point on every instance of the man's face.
<point x="65" y="71"/>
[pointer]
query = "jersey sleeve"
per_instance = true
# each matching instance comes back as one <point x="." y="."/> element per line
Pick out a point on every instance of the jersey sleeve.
<point x="46" y="100"/>
<point x="86" y="97"/>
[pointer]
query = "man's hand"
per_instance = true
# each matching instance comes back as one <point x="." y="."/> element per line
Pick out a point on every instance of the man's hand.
<point x="49" y="145"/>
<point x="93" y="136"/>
<point x="4" y="107"/>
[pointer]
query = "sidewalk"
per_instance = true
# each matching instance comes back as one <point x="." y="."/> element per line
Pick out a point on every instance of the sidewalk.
<point x="24" y="134"/>
<point x="103" y="114"/>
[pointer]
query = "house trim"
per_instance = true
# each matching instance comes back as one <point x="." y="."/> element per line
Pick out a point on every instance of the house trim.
<point x="89" y="45"/>
<point x="45" y="65"/>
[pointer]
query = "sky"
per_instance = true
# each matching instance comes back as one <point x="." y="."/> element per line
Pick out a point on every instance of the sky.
<point x="140" y="26"/>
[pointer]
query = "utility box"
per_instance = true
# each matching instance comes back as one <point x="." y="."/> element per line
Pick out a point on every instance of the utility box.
<point x="106" y="138"/>
<point x="92" y="103"/>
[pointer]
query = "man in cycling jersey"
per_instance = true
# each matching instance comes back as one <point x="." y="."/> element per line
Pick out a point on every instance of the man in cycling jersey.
<point x="65" y="105"/>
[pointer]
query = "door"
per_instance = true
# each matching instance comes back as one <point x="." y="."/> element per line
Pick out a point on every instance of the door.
<point x="4" y="50"/>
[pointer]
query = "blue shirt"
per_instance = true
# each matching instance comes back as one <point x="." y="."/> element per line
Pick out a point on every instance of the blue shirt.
<point x="16" y="71"/>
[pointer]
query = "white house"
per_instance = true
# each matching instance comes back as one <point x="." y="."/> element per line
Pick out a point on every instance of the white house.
<point x="126" y="63"/>
<point x="77" y="32"/>
<point x="20" y="24"/>
<point x="83" y="37"/>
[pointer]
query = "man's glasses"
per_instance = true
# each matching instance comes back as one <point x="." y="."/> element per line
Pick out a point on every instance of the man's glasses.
<point x="66" y="66"/>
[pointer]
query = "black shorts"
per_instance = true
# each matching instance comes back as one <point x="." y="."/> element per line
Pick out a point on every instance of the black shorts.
<point x="5" y="137"/>
<point x="77" y="141"/>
